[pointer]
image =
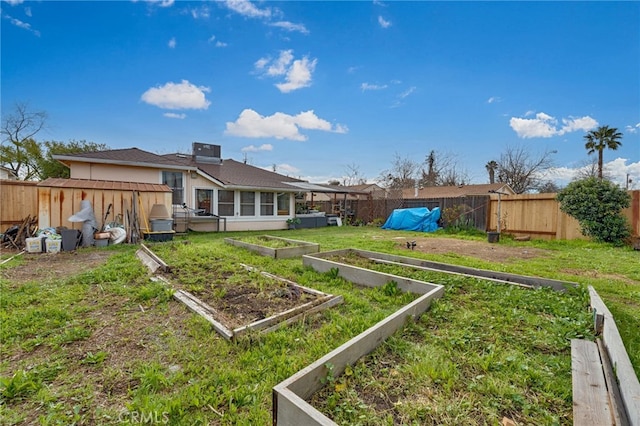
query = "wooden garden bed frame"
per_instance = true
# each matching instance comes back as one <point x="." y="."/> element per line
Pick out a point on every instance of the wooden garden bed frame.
<point x="321" y="302"/>
<point x="289" y="397"/>
<point x="297" y="248"/>
<point x="290" y="407"/>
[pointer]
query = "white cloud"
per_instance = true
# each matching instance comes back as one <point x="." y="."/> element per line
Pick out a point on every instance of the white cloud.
<point x="250" y="124"/>
<point x="201" y="12"/>
<point x="402" y="96"/>
<point x="574" y="124"/>
<point x="280" y="65"/>
<point x="248" y="9"/>
<point x="632" y="129"/>
<point x="367" y="86"/>
<point x="24" y="25"/>
<point x="298" y="75"/>
<point x="287" y="168"/>
<point x="407" y="92"/>
<point x="290" y="26"/>
<point x="253" y="148"/>
<point x="383" y="23"/>
<point x="172" y="43"/>
<point x="546" y="126"/>
<point x="174" y="115"/>
<point x="183" y="95"/>
<point x="161" y="3"/>
<point x="14" y="2"/>
<point x="494" y="99"/>
<point x="616" y="170"/>
<point x="218" y="43"/>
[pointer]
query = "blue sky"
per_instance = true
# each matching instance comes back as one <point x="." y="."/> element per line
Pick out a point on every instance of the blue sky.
<point x="320" y="88"/>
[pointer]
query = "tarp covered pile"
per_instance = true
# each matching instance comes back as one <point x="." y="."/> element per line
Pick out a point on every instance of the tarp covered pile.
<point x="416" y="219"/>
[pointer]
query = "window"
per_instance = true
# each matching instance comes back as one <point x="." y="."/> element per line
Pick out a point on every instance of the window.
<point x="266" y="204"/>
<point x="174" y="181"/>
<point x="225" y="203"/>
<point x="204" y="197"/>
<point x="283" y="203"/>
<point x="247" y="203"/>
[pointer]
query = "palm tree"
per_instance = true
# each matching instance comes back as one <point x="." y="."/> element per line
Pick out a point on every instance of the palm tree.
<point x="601" y="138"/>
<point x="491" y="167"/>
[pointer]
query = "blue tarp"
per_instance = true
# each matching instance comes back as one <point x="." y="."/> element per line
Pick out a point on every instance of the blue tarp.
<point x="416" y="219"/>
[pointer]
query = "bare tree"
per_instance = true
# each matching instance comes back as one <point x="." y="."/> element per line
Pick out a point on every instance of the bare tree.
<point x="521" y="170"/>
<point x="442" y="170"/>
<point x="452" y="176"/>
<point x="353" y="175"/>
<point x="401" y="175"/>
<point x="588" y="169"/>
<point x="19" y="151"/>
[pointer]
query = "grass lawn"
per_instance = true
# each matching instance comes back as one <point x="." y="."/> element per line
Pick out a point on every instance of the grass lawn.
<point x="101" y="343"/>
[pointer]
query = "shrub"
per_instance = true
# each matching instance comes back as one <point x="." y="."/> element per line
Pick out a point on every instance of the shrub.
<point x="597" y="205"/>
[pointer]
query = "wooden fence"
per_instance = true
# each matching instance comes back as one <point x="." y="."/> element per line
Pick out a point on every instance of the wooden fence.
<point x="536" y="215"/>
<point x="539" y="216"/>
<point x="57" y="204"/>
<point x="18" y="199"/>
<point x="54" y="205"/>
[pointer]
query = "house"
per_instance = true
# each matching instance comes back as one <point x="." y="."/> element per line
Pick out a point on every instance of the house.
<point x="456" y="191"/>
<point x="7" y="174"/>
<point x="204" y="186"/>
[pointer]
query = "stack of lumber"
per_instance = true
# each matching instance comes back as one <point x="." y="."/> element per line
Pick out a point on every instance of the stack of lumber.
<point x="16" y="238"/>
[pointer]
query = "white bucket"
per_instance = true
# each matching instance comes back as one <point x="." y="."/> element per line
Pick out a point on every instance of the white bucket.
<point x="34" y="245"/>
<point x="53" y="246"/>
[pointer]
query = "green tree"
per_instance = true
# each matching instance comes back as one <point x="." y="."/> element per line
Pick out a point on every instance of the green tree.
<point x="602" y="138"/>
<point x="597" y="205"/>
<point x="491" y="167"/>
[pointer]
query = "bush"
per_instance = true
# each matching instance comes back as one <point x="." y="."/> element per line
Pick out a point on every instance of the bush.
<point x="597" y="205"/>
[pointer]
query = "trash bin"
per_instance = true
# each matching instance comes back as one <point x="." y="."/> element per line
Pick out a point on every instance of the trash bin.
<point x="493" y="237"/>
<point x="70" y="239"/>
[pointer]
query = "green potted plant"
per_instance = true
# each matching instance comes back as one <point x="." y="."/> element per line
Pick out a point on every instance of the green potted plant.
<point x="292" y="222"/>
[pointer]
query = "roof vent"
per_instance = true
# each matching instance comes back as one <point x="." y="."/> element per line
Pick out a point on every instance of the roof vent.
<point x="205" y="153"/>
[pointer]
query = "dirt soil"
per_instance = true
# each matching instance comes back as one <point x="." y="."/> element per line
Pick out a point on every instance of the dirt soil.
<point x="482" y="250"/>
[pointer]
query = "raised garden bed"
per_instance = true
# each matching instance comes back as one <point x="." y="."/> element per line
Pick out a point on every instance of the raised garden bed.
<point x="290" y="406"/>
<point x="238" y="299"/>
<point x="334" y="259"/>
<point x="276" y="247"/>
<point x="296" y="399"/>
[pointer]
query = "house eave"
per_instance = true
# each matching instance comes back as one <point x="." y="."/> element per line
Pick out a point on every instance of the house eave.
<point x="75" y="159"/>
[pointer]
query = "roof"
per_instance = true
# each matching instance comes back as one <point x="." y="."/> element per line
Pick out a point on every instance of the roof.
<point x="124" y="157"/>
<point x="104" y="184"/>
<point x="238" y="175"/>
<point x="456" y="191"/>
<point x="228" y="173"/>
